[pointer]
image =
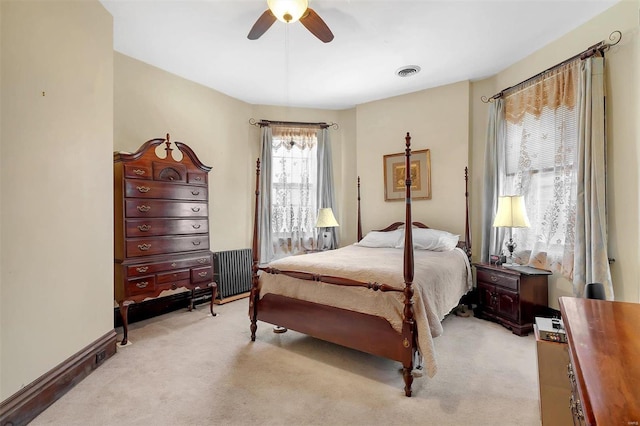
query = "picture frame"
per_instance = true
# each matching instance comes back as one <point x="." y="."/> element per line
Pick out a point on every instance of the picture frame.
<point x="394" y="176"/>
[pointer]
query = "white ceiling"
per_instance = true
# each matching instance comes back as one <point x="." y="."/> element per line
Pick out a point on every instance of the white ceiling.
<point x="206" y="41"/>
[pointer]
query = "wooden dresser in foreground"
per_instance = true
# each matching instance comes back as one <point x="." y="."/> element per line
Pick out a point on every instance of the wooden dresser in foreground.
<point x="604" y="360"/>
<point x="161" y="224"/>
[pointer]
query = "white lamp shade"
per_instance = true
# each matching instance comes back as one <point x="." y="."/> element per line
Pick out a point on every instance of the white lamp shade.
<point x="326" y="219"/>
<point x="288" y="10"/>
<point x="511" y="212"/>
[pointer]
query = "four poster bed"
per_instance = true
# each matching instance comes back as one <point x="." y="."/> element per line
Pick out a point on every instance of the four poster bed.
<point x="360" y="296"/>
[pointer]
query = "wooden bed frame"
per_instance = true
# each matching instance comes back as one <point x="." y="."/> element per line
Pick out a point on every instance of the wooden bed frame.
<point x="363" y="332"/>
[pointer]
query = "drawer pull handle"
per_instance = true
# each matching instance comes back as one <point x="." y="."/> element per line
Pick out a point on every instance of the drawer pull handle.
<point x="196" y="226"/>
<point x="143" y="189"/>
<point x="144" y="247"/>
<point x="144" y="228"/>
<point x="144" y="208"/>
<point x="576" y="408"/>
<point x="173" y="265"/>
<point x="174" y="286"/>
<point x="195" y="192"/>
<point x="196" y="243"/>
<point x="202" y="274"/>
<point x="203" y="260"/>
<point x="195" y="209"/>
<point x="494" y="279"/>
<point x="142" y="268"/>
<point x="142" y="284"/>
<point x="198" y="178"/>
<point x="139" y="172"/>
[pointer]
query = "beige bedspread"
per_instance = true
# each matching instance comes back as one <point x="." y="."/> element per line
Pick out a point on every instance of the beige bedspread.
<point x="440" y="280"/>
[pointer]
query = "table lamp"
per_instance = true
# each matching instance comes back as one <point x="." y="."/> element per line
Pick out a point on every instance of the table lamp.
<point x="326" y="219"/>
<point x="511" y="214"/>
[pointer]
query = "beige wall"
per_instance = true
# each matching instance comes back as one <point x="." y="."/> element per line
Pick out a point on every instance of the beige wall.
<point x="636" y="66"/>
<point x="150" y="102"/>
<point x="623" y="110"/>
<point x="438" y="120"/>
<point x="56" y="274"/>
<point x="347" y="187"/>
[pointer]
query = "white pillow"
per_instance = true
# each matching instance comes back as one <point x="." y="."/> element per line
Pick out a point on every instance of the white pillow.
<point x="432" y="239"/>
<point x="377" y="239"/>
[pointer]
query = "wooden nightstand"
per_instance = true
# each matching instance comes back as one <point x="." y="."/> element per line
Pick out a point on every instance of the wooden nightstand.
<point x="511" y="297"/>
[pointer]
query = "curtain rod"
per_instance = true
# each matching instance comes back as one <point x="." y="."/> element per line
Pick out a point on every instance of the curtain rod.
<point x="264" y="123"/>
<point x="615" y="37"/>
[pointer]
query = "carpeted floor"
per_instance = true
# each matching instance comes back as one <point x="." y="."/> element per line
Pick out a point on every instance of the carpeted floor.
<point x="188" y="368"/>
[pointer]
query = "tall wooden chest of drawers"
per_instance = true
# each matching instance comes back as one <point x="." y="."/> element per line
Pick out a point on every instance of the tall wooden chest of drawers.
<point x="161" y="224"/>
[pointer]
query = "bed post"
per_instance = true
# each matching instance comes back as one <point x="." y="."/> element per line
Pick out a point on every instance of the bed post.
<point x="253" y="298"/>
<point x="359" y="215"/>
<point x="467" y="229"/>
<point x="409" y="324"/>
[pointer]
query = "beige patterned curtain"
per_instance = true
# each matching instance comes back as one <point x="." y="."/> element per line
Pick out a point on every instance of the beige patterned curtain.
<point x="551" y="90"/>
<point x="301" y="137"/>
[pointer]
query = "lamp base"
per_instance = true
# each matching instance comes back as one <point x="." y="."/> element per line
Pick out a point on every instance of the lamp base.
<point x="511" y="246"/>
<point x="326" y="240"/>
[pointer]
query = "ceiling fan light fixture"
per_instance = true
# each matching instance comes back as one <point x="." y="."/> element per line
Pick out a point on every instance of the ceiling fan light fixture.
<point x="408" y="71"/>
<point x="288" y="11"/>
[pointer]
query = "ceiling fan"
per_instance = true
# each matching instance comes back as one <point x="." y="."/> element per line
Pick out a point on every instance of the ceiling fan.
<point x="290" y="11"/>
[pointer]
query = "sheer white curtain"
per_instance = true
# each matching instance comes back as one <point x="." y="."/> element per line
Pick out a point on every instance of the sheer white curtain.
<point x="289" y="191"/>
<point x="554" y="154"/>
<point x="541" y="164"/>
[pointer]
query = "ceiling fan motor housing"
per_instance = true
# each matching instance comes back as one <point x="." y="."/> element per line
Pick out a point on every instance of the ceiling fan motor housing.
<point x="288" y="10"/>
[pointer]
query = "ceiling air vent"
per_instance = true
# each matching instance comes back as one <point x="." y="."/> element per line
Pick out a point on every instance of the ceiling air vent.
<point x="408" y="71"/>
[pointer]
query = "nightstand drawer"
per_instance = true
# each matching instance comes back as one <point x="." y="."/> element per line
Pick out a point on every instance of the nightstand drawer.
<point x="499" y="279"/>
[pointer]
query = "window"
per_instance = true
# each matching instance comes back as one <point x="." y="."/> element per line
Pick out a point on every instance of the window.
<point x="541" y="163"/>
<point x="294" y="189"/>
<point x="294" y="185"/>
<point x="297" y="181"/>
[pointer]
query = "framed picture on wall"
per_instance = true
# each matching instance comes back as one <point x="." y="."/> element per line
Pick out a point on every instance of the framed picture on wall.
<point x="394" y="175"/>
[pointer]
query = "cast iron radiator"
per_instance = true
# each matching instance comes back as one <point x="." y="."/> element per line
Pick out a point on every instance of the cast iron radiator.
<point x="232" y="272"/>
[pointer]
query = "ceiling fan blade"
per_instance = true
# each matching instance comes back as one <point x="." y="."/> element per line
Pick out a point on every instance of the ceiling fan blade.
<point x="263" y="23"/>
<point x="314" y="23"/>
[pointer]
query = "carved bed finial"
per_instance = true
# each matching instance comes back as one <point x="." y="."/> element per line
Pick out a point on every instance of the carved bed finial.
<point x="467" y="227"/>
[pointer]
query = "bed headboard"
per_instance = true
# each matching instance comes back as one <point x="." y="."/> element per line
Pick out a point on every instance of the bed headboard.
<point x="464" y="245"/>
